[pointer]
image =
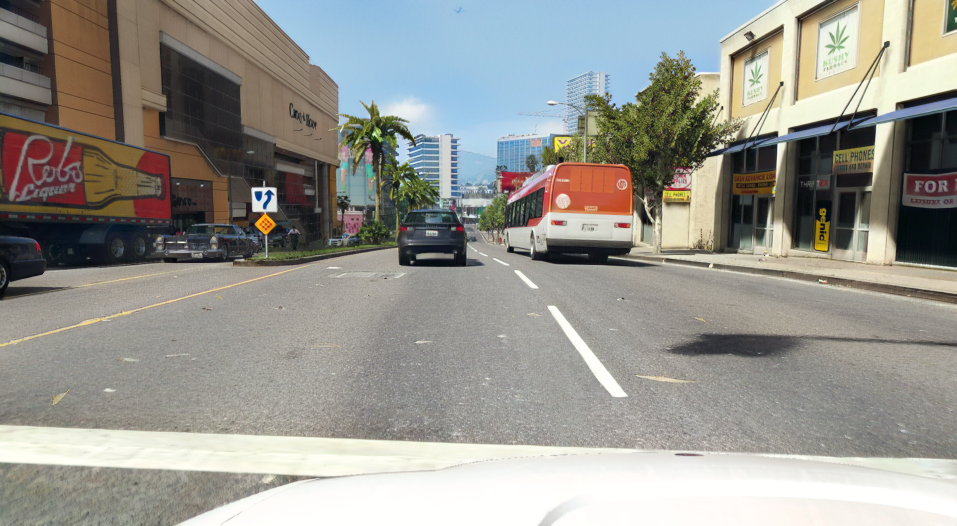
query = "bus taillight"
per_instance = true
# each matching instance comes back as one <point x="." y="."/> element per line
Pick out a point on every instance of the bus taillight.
<point x="622" y="225"/>
<point x="559" y="223"/>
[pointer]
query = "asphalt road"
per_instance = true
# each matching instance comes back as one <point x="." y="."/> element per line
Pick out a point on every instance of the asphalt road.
<point x="360" y="347"/>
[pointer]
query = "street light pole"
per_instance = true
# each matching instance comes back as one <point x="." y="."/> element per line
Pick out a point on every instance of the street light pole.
<point x="584" y="132"/>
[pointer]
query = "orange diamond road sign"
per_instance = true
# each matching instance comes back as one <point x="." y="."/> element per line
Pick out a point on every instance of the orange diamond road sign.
<point x="265" y="224"/>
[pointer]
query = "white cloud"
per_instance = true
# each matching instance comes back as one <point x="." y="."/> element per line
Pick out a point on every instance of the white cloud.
<point x="421" y="116"/>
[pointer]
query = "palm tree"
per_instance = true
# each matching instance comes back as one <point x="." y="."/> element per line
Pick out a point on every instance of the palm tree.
<point x="373" y="133"/>
<point x="397" y="176"/>
<point x="420" y="193"/>
<point x="342" y="203"/>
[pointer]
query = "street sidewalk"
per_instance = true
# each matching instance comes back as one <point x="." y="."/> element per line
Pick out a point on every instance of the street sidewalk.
<point x="925" y="283"/>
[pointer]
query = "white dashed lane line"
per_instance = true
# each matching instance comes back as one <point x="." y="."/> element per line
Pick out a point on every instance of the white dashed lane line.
<point x="486" y="255"/>
<point x="526" y="280"/>
<point x="604" y="377"/>
<point x="500" y="261"/>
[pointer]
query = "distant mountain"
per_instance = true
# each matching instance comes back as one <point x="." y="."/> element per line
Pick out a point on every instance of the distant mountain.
<point x="475" y="167"/>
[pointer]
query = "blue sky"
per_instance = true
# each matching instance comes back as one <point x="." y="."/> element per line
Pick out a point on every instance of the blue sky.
<point x="471" y="72"/>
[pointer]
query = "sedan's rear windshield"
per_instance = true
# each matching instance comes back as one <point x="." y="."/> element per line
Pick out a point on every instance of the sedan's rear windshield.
<point x="431" y="217"/>
<point x="210" y="229"/>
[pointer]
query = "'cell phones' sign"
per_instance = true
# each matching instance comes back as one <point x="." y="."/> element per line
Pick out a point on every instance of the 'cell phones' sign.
<point x="930" y="191"/>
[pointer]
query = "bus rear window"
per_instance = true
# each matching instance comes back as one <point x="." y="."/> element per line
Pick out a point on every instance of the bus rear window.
<point x="596" y="189"/>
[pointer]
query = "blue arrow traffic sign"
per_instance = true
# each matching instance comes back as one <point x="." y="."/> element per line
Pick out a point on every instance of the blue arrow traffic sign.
<point x="264" y="200"/>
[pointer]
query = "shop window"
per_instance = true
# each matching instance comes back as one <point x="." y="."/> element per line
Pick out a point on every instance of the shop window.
<point x="747" y="211"/>
<point x="928" y="236"/>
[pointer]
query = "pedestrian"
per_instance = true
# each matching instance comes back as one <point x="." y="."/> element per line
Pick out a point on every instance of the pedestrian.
<point x="294" y="237"/>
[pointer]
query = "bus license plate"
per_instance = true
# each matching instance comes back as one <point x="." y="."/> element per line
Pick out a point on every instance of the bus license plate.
<point x="431" y="232"/>
<point x="589" y="228"/>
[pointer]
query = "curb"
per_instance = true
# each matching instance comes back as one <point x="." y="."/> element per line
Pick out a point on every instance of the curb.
<point x="924" y="294"/>
<point x="307" y="259"/>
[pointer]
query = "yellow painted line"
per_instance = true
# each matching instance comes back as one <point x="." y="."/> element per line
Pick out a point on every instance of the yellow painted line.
<point x="127" y="313"/>
<point x="58" y="289"/>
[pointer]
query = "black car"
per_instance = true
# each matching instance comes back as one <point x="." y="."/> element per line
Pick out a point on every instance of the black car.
<point x="205" y="241"/>
<point x="20" y="258"/>
<point x="432" y="231"/>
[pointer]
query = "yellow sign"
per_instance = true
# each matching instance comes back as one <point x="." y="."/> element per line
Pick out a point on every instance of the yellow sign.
<point x="853" y="161"/>
<point x="265" y="224"/>
<point x="562" y="142"/>
<point x="822" y="226"/>
<point x="676" y="196"/>
<point x="756" y="183"/>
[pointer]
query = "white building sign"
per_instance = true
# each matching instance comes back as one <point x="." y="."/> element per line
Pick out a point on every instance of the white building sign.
<point x="837" y="42"/>
<point x="756" y="79"/>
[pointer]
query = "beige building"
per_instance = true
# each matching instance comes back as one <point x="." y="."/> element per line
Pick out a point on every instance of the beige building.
<point x="216" y="85"/>
<point x="803" y="178"/>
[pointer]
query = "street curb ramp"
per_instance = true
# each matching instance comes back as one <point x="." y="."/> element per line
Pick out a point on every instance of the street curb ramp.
<point x="924" y="294"/>
<point x="307" y="259"/>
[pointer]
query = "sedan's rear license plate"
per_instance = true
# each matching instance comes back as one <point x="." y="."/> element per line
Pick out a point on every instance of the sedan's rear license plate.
<point x="198" y="255"/>
<point x="431" y="232"/>
<point x="589" y="228"/>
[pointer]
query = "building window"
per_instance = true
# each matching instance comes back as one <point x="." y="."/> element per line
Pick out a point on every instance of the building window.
<point x="751" y="215"/>
<point x="928" y="236"/>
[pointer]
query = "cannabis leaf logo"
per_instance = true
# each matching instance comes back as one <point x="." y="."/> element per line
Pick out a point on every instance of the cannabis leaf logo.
<point x="755" y="76"/>
<point x="837" y="39"/>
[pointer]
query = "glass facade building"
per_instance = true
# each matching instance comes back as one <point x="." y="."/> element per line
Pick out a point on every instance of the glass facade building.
<point x="591" y="83"/>
<point x="512" y="151"/>
<point x="436" y="159"/>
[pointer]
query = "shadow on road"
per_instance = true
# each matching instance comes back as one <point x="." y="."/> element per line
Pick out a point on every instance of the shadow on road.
<point x="757" y="346"/>
<point x="580" y="259"/>
<point x="14" y="291"/>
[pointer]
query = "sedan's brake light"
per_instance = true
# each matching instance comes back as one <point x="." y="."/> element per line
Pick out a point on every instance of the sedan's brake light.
<point x="622" y="225"/>
<point x="459" y="228"/>
<point x="403" y="229"/>
<point x="560" y="223"/>
<point x="38" y="246"/>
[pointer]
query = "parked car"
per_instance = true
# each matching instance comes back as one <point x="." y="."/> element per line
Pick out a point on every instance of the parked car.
<point x="20" y="258"/>
<point x="344" y="240"/>
<point x="254" y="234"/>
<point x="205" y="241"/>
<point x="279" y="237"/>
<point x="432" y="231"/>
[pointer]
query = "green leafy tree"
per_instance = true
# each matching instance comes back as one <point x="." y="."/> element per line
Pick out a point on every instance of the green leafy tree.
<point x="397" y="176"/>
<point x="672" y="125"/>
<point x="342" y="203"/>
<point x="374" y="133"/>
<point x="373" y="232"/>
<point x="492" y="219"/>
<point x="531" y="162"/>
<point x="419" y="193"/>
<point x="548" y="156"/>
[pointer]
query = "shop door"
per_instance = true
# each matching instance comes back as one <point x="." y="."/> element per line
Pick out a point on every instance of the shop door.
<point x="852" y="225"/>
<point x="742" y="223"/>
<point x="763" y="223"/>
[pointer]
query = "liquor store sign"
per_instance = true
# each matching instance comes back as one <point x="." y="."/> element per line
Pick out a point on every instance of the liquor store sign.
<point x="756" y="183"/>
<point x="48" y="166"/>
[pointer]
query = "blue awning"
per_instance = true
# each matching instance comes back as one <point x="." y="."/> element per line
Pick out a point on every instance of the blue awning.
<point x="807" y="134"/>
<point x="753" y="143"/>
<point x="909" y="113"/>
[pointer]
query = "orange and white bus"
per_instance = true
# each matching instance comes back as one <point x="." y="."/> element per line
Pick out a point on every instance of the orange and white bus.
<point x="572" y="208"/>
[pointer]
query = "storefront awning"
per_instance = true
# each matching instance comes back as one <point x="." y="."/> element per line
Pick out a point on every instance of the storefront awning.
<point x="910" y="113"/>
<point x="753" y="143"/>
<point x="807" y="134"/>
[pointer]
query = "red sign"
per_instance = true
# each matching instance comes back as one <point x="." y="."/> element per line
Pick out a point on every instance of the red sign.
<point x="512" y="181"/>
<point x="682" y="181"/>
<point x="40" y="169"/>
<point x="930" y="191"/>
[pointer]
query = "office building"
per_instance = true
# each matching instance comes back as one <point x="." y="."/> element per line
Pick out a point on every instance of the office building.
<point x="436" y="159"/>
<point x="512" y="150"/>
<point x="591" y="83"/>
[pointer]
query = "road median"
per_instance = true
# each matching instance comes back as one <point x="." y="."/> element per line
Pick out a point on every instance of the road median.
<point x="305" y="259"/>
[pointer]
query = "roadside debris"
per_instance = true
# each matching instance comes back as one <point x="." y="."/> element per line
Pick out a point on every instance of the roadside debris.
<point x="127" y="359"/>
<point x="57" y="398"/>
<point x="533" y="314"/>
<point x="822" y="281"/>
<point x="701" y="319"/>
<point x="175" y="355"/>
<point x="107" y="390"/>
<point x="207" y="308"/>
<point x="423" y="341"/>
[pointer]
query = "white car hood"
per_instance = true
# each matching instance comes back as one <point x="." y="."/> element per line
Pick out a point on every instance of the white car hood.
<point x="633" y="488"/>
